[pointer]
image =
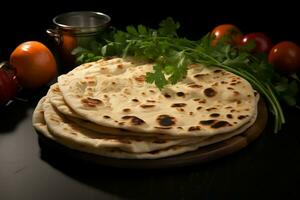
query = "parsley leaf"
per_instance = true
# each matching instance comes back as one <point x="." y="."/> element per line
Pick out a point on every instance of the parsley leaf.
<point x="157" y="77"/>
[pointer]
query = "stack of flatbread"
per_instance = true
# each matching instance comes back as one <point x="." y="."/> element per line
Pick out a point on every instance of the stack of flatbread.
<point x="107" y="108"/>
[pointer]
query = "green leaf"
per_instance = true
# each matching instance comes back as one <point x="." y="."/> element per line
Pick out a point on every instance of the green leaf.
<point x="168" y="27"/>
<point x="132" y="30"/>
<point x="169" y="69"/>
<point x="79" y="50"/>
<point x="180" y="71"/>
<point x="157" y="77"/>
<point x="80" y="59"/>
<point x="142" y="30"/>
<point x="150" y="77"/>
<point x="287" y="90"/>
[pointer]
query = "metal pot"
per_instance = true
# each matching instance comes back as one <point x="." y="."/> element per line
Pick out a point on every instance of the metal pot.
<point x="75" y="29"/>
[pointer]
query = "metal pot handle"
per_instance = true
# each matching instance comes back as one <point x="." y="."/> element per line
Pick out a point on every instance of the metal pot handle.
<point x="55" y="34"/>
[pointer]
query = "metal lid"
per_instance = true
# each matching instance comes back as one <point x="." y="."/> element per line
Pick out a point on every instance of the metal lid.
<point x="82" y="21"/>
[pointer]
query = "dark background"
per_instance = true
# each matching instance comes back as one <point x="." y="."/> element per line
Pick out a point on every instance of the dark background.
<point x="269" y="168"/>
<point x="28" y="20"/>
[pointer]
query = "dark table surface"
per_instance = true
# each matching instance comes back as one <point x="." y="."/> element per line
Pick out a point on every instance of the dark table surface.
<point x="268" y="168"/>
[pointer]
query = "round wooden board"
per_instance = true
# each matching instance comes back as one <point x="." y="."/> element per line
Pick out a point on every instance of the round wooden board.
<point x="201" y="155"/>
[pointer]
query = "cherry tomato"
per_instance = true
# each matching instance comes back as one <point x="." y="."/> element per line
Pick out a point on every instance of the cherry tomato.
<point x="262" y="42"/>
<point x="227" y="30"/>
<point x="8" y="86"/>
<point x="285" y="56"/>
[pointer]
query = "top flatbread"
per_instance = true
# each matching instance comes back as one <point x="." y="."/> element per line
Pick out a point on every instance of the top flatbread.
<point x="114" y="93"/>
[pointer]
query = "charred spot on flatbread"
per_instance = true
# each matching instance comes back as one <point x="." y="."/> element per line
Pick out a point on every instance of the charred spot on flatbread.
<point x="135" y="100"/>
<point x="234" y="83"/>
<point x="166" y="120"/>
<point x="217" y="71"/>
<point x="91" y="82"/>
<point x="91" y="102"/>
<point x="236" y="93"/>
<point x="178" y="105"/>
<point x="199" y="76"/>
<point x="151" y="101"/>
<point x="199" y="107"/>
<point x="238" y="101"/>
<point x="180" y="94"/>
<point x="120" y="66"/>
<point x="126" y="110"/>
<point x="210" y="92"/>
<point x="134" y="120"/>
<point x="106" y="117"/>
<point x="180" y="109"/>
<point x="55" y="89"/>
<point x="207" y="122"/>
<point x="195" y="85"/>
<point x="242" y="116"/>
<point x="214" y="115"/>
<point x="229" y="116"/>
<point x="147" y="106"/>
<point x="211" y="108"/>
<point x="194" y="128"/>
<point x="167" y="95"/>
<point x="140" y="78"/>
<point x="202" y="101"/>
<point x="220" y="124"/>
<point x="89" y="89"/>
<point x="215" y="84"/>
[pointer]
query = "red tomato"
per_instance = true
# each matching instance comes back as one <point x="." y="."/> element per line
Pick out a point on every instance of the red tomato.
<point x="262" y="42"/>
<point x="234" y="34"/>
<point x="285" y="56"/>
<point x="8" y="86"/>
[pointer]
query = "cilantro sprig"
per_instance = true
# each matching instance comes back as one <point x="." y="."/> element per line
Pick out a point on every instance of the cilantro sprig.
<point x="172" y="54"/>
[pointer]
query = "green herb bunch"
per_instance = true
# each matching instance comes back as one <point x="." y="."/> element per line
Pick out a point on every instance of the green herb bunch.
<point x="172" y="54"/>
